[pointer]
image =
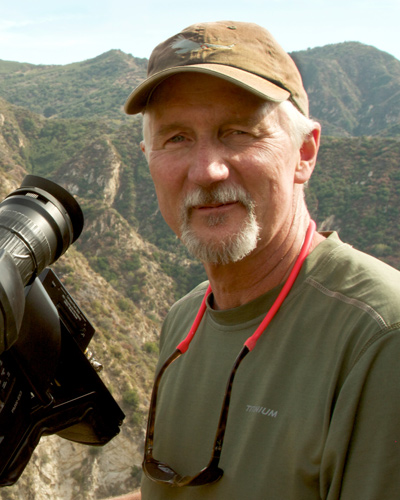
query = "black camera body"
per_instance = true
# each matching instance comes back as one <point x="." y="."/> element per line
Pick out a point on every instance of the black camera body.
<point x="47" y="383"/>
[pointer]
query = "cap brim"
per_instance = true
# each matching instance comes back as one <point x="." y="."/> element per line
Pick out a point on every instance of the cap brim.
<point x="257" y="85"/>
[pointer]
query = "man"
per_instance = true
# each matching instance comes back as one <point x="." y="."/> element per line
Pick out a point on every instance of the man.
<point x="311" y="409"/>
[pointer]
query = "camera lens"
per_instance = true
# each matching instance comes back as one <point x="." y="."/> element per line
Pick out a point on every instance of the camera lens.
<point x="38" y="222"/>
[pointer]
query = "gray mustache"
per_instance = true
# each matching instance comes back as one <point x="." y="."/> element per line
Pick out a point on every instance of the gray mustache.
<point x="221" y="194"/>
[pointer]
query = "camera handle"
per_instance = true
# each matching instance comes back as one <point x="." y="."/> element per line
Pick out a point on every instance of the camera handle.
<point x="37" y="350"/>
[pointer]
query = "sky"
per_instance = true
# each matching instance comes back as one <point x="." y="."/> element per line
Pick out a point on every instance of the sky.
<point x="67" y="31"/>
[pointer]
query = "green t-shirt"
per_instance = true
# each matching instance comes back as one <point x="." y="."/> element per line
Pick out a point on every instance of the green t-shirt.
<point x="315" y="408"/>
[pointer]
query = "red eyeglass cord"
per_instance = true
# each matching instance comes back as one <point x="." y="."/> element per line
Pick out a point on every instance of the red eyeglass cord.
<point x="252" y="340"/>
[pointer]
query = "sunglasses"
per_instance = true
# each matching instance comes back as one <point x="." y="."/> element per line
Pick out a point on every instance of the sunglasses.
<point x="162" y="473"/>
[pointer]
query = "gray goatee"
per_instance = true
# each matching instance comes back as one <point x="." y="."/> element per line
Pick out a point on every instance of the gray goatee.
<point x="220" y="250"/>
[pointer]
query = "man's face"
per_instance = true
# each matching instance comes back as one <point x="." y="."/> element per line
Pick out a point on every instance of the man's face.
<point x="223" y="166"/>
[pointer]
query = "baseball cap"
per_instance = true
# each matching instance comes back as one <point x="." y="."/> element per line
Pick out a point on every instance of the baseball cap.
<point x="244" y="54"/>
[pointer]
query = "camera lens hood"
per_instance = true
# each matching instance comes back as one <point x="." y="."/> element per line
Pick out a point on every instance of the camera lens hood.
<point x="64" y="201"/>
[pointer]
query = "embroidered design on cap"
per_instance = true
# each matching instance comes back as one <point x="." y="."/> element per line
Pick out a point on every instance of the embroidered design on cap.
<point x="183" y="45"/>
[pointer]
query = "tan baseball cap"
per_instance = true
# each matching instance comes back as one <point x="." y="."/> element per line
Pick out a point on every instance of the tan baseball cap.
<point x="244" y="54"/>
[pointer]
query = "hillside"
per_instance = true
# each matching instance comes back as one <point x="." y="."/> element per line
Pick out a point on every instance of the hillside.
<point x="96" y="87"/>
<point x="126" y="330"/>
<point x="66" y="123"/>
<point x="355" y="189"/>
<point x="354" y="89"/>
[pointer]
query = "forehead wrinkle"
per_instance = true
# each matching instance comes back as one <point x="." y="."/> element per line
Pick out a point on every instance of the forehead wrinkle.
<point x="235" y="118"/>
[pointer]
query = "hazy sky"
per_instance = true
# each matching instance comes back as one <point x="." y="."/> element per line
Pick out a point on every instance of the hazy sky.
<point x="65" y="31"/>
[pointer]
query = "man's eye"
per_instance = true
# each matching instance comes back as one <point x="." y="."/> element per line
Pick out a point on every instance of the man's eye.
<point x="237" y="136"/>
<point x="236" y="132"/>
<point x="176" y="138"/>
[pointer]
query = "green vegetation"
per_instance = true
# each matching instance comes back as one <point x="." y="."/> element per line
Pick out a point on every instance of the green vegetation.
<point x="131" y="398"/>
<point x="93" y="88"/>
<point x="357" y="181"/>
<point x="354" y="88"/>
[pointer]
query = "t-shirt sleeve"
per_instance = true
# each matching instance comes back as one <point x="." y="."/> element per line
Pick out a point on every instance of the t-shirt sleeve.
<point x="362" y="452"/>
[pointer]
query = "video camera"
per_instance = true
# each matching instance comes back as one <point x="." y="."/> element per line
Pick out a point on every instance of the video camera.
<point x="47" y="383"/>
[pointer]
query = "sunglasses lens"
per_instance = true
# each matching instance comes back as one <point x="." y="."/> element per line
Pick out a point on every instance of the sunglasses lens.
<point x="162" y="473"/>
<point x="159" y="471"/>
<point x="207" y="476"/>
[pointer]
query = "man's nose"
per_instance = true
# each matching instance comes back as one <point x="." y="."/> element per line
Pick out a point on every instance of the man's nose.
<point x="207" y="165"/>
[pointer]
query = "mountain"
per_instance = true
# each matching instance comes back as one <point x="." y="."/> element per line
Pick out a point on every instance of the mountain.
<point x="354" y="89"/>
<point x="96" y="87"/>
<point x="355" y="190"/>
<point x="126" y="269"/>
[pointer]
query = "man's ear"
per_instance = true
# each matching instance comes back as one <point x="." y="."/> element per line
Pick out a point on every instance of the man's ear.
<point x="143" y="147"/>
<point x="308" y="155"/>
